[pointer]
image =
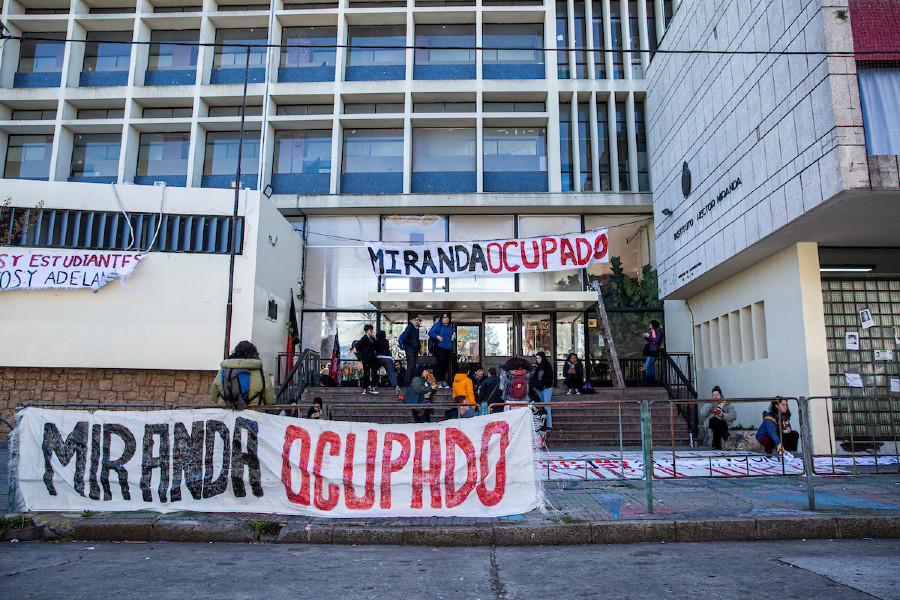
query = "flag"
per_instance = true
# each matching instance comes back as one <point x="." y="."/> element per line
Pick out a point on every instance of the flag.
<point x="293" y="337"/>
<point x="334" y="369"/>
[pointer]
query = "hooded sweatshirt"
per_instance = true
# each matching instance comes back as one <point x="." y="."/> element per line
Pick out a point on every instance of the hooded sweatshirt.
<point x="257" y="394"/>
<point x="462" y="386"/>
<point x="543" y="377"/>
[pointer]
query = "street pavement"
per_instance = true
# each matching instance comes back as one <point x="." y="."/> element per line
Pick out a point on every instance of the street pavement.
<point x="826" y="569"/>
<point x="580" y="511"/>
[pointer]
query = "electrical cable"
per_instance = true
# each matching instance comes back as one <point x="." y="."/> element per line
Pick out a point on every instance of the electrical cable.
<point x="162" y="200"/>
<point x="127" y="217"/>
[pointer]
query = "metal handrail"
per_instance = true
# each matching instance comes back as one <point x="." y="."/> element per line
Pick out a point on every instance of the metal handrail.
<point x="306" y="365"/>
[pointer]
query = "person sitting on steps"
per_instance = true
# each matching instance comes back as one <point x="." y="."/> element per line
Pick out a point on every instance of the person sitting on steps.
<point x="718" y="416"/>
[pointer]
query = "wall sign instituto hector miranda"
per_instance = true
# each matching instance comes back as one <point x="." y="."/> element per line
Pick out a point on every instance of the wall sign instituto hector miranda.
<point x="706" y="208"/>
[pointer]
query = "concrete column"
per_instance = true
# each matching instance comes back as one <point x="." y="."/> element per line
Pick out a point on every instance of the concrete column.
<point x="613" y="141"/>
<point x="632" y="142"/>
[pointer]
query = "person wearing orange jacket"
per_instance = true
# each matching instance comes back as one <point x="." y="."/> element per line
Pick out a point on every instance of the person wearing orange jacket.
<point x="462" y="386"/>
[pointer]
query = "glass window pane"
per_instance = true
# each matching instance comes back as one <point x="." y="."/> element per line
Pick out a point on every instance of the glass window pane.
<point x="318" y="334"/>
<point x="222" y="153"/>
<point x="482" y="227"/>
<point x="167" y="54"/>
<point x="107" y="51"/>
<point x="569" y="338"/>
<point x="554" y="281"/>
<point x="305" y="151"/>
<point x="635" y="253"/>
<point x="442" y="150"/>
<point x="376" y="45"/>
<point x="513" y="43"/>
<point x="413" y="230"/>
<point x="28" y="156"/>
<point x="339" y="273"/>
<point x="536" y="334"/>
<point x="163" y="154"/>
<point x="308" y="46"/>
<point x="512" y="149"/>
<point x="373" y="151"/>
<point x="234" y="53"/>
<point x="445" y="44"/>
<point x="42" y="56"/>
<point x="96" y="155"/>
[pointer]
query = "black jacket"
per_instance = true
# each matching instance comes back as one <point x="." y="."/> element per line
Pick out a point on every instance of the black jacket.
<point x="365" y="349"/>
<point x="382" y="347"/>
<point x="488" y="393"/>
<point x="543" y="377"/>
<point x="409" y="340"/>
<point x="576" y="378"/>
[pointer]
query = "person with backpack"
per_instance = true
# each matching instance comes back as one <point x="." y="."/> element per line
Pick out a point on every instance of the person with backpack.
<point x="241" y="381"/>
<point x="442" y="333"/>
<point x="655" y="339"/>
<point x="365" y="352"/>
<point x="514" y="375"/>
<point x="411" y="346"/>
<point x="543" y="381"/>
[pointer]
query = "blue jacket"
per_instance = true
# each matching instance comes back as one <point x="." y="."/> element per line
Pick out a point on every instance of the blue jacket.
<point x="445" y="331"/>
<point x="409" y="340"/>
<point x="770" y="426"/>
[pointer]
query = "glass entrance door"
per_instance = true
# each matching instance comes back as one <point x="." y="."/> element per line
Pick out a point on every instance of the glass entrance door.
<point x="468" y="342"/>
<point x="499" y="339"/>
<point x="536" y="334"/>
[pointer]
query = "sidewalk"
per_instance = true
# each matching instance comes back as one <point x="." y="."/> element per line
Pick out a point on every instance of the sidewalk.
<point x="583" y="511"/>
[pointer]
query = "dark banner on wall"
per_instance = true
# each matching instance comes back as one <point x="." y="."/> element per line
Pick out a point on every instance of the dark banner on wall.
<point x="493" y="257"/>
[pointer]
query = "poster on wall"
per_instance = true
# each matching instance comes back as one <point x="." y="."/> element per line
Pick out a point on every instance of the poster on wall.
<point x="851" y="340"/>
<point x="865" y="318"/>
<point x="884" y="355"/>
<point x="854" y="380"/>
<point x="29" y="270"/>
<point x="895" y="385"/>
<point x="217" y="460"/>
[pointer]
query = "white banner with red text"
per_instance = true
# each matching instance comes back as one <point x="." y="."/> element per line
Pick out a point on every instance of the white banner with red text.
<point x="493" y="257"/>
<point x="218" y="460"/>
<point x="29" y="270"/>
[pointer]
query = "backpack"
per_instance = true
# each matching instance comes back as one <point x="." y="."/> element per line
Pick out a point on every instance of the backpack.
<point x="236" y="388"/>
<point x="518" y="389"/>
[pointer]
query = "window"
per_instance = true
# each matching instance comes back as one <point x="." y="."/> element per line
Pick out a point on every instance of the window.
<point x="603" y="145"/>
<point x="243" y="7"/>
<point x="373" y="151"/>
<point x="597" y="27"/>
<point x="371" y="109"/>
<point x="622" y="145"/>
<point x="667" y="12"/>
<point x="376" y="45"/>
<point x="651" y="28"/>
<point x="445" y="44"/>
<point x="308" y="46"/>
<point x="174" y="9"/>
<point x="234" y="111"/>
<point x="640" y="138"/>
<point x="413" y="230"/>
<point x="234" y="53"/>
<point x="443" y="150"/>
<point x="566" y="166"/>
<point x="167" y="54"/>
<point x="515" y="149"/>
<point x="444" y="107"/>
<point x="304" y="109"/>
<point x="615" y="28"/>
<point x="96" y="154"/>
<point x="34" y="115"/>
<point x="513" y="43"/>
<point x="107" y="51"/>
<point x="585" y="176"/>
<point x="100" y="113"/>
<point x="482" y="227"/>
<point x="514" y="107"/>
<point x="338" y="271"/>
<point x="161" y="154"/>
<point x="42" y="56"/>
<point x="541" y="225"/>
<point x="28" y="157"/>
<point x="167" y="113"/>
<point x="306" y="151"/>
<point x="637" y="72"/>
<point x="580" y="42"/>
<point x="878" y="91"/>
<point x="562" y="41"/>
<point x="222" y="153"/>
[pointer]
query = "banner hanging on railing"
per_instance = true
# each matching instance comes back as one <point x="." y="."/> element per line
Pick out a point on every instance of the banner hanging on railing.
<point x="217" y="460"/>
<point x="68" y="271"/>
<point x="494" y="257"/>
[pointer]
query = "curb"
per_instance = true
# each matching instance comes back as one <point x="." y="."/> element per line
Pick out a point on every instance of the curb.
<point x="226" y="530"/>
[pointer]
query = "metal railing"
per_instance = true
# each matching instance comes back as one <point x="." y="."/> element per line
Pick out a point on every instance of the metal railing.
<point x="876" y="434"/>
<point x="303" y="373"/>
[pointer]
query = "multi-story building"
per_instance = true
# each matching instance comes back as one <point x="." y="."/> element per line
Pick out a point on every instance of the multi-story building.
<point x="774" y="158"/>
<point x="397" y="121"/>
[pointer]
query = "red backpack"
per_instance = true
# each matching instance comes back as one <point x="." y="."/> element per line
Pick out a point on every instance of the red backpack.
<point x="518" y="389"/>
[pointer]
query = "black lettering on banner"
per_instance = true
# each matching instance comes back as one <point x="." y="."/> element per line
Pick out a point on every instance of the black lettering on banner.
<point x="445" y="259"/>
<point x="393" y="270"/>
<point x="150" y="462"/>
<point x="187" y="461"/>
<point x="75" y="445"/>
<point x="461" y="266"/>
<point x="478" y="257"/>
<point x="214" y="488"/>
<point x="118" y="465"/>
<point x="377" y="259"/>
<point x="249" y="459"/>
<point x="94" y="487"/>
<point x="428" y="263"/>
<point x="410" y="257"/>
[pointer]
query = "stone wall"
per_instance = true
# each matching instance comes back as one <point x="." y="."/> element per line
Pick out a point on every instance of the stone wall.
<point x="20" y="386"/>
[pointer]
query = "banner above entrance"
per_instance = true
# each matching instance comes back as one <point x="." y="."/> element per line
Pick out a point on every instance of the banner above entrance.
<point x="493" y="257"/>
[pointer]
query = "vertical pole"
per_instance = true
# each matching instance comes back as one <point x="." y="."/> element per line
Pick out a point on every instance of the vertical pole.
<point x="806" y="433"/>
<point x="647" y="446"/>
<point x="618" y="378"/>
<point x="234" y="216"/>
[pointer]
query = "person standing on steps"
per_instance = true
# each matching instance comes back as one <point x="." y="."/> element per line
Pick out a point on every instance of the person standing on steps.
<point x="543" y="381"/>
<point x="655" y="340"/>
<point x="365" y="352"/>
<point x="384" y="359"/>
<point x="442" y="332"/>
<point x="411" y="346"/>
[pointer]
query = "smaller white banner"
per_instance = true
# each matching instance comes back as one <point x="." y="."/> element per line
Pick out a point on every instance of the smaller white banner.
<point x="31" y="270"/>
<point x="491" y="257"/>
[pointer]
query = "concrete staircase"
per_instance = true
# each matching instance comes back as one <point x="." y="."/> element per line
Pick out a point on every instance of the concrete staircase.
<point x="583" y="426"/>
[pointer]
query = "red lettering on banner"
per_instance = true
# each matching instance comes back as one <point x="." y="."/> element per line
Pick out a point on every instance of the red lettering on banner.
<point x="545" y="251"/>
<point x="334" y="492"/>
<point x="507" y="253"/>
<point x="367" y="500"/>
<point x="455" y="438"/>
<point x="431" y="476"/>
<point x="390" y="465"/>
<point x="499" y="257"/>
<point x="537" y="255"/>
<point x="585" y="258"/>
<point x="493" y="497"/>
<point x="291" y="435"/>
<point x="566" y="252"/>
<point x="601" y="244"/>
<point x="2" y="262"/>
